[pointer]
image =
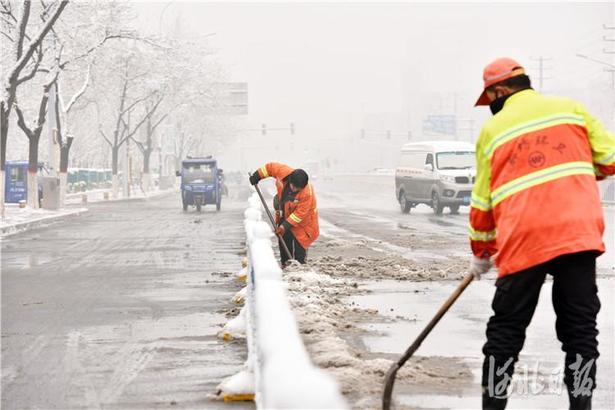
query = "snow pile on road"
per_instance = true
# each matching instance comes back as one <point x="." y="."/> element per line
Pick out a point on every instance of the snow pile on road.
<point x="318" y="301"/>
<point x="390" y="267"/>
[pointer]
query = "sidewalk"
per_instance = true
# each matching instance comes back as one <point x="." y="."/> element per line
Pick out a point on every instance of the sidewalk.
<point x="97" y="195"/>
<point x="21" y="219"/>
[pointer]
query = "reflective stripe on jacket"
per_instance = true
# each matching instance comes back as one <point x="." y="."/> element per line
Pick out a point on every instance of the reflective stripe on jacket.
<point x="536" y="195"/>
<point x="302" y="212"/>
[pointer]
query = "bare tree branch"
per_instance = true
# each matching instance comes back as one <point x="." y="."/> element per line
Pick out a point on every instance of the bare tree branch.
<point x="22" y="122"/>
<point x="145" y="117"/>
<point x="139" y="144"/>
<point x="79" y="93"/>
<point x="7" y="36"/>
<point x="7" y="9"/>
<point x="45" y="10"/>
<point x="137" y="101"/>
<point x="42" y="110"/>
<point x="23" y="23"/>
<point x="159" y="122"/>
<point x="25" y="56"/>
<point x="104" y="136"/>
<point x="35" y="67"/>
<point x="91" y="49"/>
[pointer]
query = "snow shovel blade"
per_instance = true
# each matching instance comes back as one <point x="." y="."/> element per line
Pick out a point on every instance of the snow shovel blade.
<point x="389" y="380"/>
<point x="260" y="195"/>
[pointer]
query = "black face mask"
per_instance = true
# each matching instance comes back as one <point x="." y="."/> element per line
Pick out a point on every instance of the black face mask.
<point x="497" y="104"/>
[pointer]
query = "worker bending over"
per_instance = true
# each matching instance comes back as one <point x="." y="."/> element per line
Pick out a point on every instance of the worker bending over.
<point x="295" y="205"/>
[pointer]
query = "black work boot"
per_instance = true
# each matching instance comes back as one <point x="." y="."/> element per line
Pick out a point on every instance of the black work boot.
<point x="493" y="403"/>
<point x="580" y="380"/>
<point x="496" y="379"/>
<point x="580" y="403"/>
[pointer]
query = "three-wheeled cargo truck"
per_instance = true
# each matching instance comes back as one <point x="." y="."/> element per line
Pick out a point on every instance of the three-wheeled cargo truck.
<point x="200" y="183"/>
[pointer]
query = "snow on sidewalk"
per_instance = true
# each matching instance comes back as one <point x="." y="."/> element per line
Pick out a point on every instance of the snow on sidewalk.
<point x="20" y="219"/>
<point x="98" y="195"/>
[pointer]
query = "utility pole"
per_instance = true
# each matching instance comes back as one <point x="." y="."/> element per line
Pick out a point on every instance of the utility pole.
<point x="541" y="69"/>
<point x="608" y="40"/>
<point x="611" y="51"/>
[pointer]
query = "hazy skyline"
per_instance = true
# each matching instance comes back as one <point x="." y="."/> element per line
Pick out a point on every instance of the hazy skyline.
<point x="329" y="66"/>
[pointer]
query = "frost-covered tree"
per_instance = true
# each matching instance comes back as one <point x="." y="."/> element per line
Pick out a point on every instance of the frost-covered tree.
<point x="22" y="57"/>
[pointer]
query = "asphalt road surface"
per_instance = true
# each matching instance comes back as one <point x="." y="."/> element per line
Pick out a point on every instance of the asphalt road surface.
<point x="119" y="308"/>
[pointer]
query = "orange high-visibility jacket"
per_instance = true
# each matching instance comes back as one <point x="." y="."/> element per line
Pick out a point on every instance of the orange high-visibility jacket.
<point x="536" y="195"/>
<point x="302" y="213"/>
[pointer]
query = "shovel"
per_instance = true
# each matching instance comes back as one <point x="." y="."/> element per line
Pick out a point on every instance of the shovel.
<point x="390" y="377"/>
<point x="258" y="191"/>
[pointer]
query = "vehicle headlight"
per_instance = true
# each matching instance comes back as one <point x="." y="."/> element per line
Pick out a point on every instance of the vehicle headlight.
<point x="447" y="178"/>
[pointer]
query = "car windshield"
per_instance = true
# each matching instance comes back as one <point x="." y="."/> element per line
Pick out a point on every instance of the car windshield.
<point x="455" y="160"/>
<point x="199" y="173"/>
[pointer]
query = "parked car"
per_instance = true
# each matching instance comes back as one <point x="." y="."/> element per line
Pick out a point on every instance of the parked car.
<point x="437" y="173"/>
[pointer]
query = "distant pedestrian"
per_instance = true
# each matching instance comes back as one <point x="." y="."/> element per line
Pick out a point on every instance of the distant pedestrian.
<point x="536" y="207"/>
<point x="295" y="205"/>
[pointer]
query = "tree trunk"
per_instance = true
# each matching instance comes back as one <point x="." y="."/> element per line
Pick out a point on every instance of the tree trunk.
<point x="114" y="186"/>
<point x="63" y="184"/>
<point x="2" y="188"/>
<point x="114" y="169"/>
<point x="4" y="133"/>
<point x="64" y="151"/>
<point x="146" y="178"/>
<point x="33" y="171"/>
<point x="146" y="157"/>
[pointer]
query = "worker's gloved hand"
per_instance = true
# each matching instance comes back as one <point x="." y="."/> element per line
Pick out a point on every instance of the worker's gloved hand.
<point x="255" y="177"/>
<point x="478" y="266"/>
<point x="282" y="228"/>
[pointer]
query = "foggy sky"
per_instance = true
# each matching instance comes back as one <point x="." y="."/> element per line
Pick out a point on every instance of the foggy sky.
<point x="328" y="66"/>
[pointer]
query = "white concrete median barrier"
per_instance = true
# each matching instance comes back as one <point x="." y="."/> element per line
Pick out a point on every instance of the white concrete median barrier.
<point x="278" y="373"/>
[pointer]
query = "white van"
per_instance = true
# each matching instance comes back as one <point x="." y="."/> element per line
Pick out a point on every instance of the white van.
<point x="436" y="173"/>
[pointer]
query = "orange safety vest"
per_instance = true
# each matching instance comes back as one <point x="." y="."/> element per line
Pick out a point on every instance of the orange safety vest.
<point x="302" y="212"/>
<point x="536" y="196"/>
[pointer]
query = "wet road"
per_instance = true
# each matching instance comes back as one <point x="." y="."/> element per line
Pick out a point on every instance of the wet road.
<point x="119" y="308"/>
<point x="373" y="218"/>
<point x="370" y="209"/>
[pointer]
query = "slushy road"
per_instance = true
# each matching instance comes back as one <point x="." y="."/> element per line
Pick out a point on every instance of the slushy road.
<point x="119" y="308"/>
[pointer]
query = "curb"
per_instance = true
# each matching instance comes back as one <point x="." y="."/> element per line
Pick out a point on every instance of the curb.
<point x="21" y="227"/>
<point x="131" y="198"/>
<point x="37" y="223"/>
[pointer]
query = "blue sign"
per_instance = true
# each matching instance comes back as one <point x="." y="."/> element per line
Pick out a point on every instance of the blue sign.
<point x="440" y="125"/>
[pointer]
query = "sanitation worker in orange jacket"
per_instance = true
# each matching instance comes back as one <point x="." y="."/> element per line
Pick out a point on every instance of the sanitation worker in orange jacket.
<point x="536" y="208"/>
<point x="295" y="204"/>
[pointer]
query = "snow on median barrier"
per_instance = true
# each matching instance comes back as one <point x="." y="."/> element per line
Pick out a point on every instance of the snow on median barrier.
<point x="238" y="387"/>
<point x="235" y="328"/>
<point x="278" y="368"/>
<point x="240" y="297"/>
<point x="242" y="274"/>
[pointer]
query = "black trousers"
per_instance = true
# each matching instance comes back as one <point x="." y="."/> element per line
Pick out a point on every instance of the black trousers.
<point x="298" y="252"/>
<point x="576" y="304"/>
